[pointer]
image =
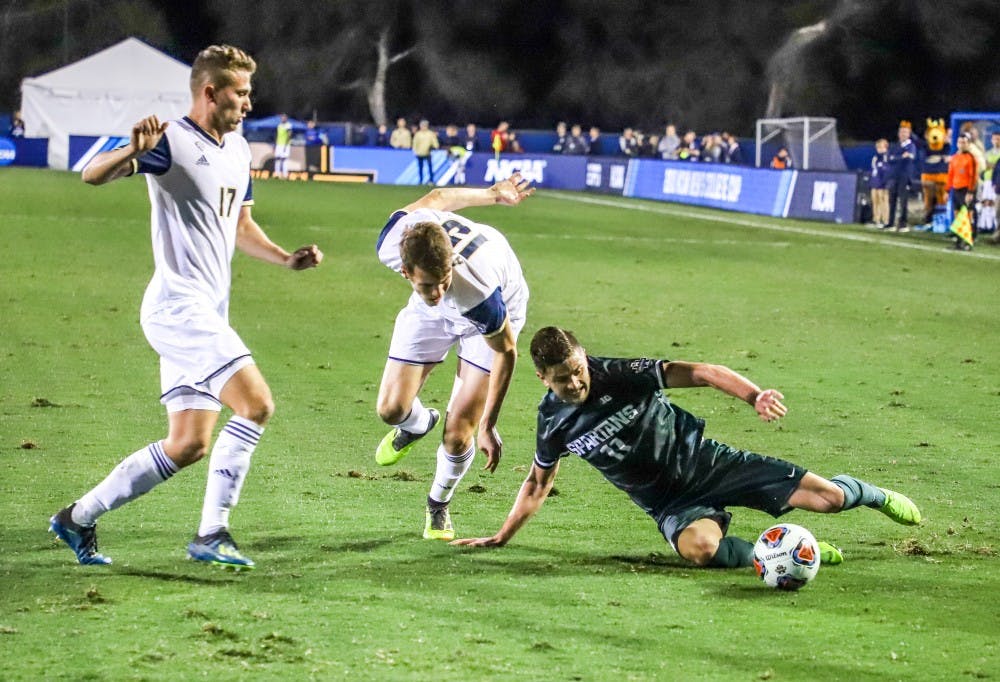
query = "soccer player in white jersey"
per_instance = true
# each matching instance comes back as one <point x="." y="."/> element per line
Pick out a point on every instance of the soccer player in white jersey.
<point x="469" y="292"/>
<point x="198" y="174"/>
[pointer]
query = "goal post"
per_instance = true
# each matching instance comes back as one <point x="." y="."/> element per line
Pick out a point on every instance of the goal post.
<point x="811" y="142"/>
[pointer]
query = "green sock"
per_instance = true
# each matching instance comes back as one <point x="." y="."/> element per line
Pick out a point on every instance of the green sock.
<point x="857" y="493"/>
<point x="732" y="553"/>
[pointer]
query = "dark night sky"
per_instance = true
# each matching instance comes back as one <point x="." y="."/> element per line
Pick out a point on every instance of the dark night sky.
<point x="708" y="64"/>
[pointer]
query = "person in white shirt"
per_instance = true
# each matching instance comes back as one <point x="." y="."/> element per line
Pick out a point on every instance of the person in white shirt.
<point x="469" y="292"/>
<point x="198" y="174"/>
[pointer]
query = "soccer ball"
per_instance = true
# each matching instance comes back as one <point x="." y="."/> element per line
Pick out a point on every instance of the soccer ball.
<point x="786" y="556"/>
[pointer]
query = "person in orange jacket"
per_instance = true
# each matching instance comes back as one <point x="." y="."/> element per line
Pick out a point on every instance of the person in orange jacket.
<point x="961" y="185"/>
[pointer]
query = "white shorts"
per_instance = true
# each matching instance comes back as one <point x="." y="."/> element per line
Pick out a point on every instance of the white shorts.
<point x="986" y="192"/>
<point x="423" y="335"/>
<point x="199" y="352"/>
<point x="282" y="151"/>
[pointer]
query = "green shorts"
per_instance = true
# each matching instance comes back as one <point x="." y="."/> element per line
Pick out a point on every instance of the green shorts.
<point x="720" y="476"/>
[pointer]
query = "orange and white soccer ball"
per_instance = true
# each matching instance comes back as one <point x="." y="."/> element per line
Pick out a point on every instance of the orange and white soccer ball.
<point x="786" y="556"/>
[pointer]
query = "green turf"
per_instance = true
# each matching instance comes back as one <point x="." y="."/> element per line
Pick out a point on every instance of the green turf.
<point x="888" y="358"/>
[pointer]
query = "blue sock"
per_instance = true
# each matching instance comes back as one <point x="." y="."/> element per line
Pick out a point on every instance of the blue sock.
<point x="733" y="552"/>
<point x="857" y="493"/>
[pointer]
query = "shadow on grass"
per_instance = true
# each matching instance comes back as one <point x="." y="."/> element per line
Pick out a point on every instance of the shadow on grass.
<point x="222" y="578"/>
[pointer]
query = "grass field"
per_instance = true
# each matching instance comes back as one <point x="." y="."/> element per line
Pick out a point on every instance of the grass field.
<point x="887" y="349"/>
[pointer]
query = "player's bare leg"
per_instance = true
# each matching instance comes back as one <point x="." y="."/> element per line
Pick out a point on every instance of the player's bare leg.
<point x="399" y="406"/>
<point x="457" y="449"/>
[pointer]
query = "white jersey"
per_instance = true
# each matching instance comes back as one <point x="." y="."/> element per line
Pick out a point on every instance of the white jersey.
<point x="487" y="283"/>
<point x="196" y="188"/>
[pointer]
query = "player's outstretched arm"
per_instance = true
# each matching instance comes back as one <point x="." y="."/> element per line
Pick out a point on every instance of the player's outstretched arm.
<point x="251" y="240"/>
<point x="529" y="500"/>
<point x="117" y="163"/>
<point x="511" y="192"/>
<point x="504" y="347"/>
<point x="766" y="403"/>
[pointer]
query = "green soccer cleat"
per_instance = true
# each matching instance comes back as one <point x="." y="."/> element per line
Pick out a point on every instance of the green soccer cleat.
<point x="437" y="524"/>
<point x="398" y="443"/>
<point x="900" y="508"/>
<point x="828" y="554"/>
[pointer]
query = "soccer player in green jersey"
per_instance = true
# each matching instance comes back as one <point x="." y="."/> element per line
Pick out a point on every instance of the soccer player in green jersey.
<point x="613" y="414"/>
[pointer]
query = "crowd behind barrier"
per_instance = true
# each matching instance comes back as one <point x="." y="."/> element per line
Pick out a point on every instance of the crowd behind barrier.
<point x="707" y="170"/>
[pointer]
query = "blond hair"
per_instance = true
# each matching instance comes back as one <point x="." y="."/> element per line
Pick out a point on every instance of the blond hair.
<point x="218" y="64"/>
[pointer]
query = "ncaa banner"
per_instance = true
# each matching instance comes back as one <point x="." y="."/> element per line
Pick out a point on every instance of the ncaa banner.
<point x="823" y="196"/>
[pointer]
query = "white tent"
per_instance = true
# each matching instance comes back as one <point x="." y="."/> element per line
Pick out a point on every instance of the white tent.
<point x="103" y="94"/>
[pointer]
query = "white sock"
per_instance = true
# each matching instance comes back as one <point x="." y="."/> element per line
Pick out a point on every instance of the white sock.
<point x="419" y="419"/>
<point x="450" y="470"/>
<point x="227" y="469"/>
<point x="134" y="476"/>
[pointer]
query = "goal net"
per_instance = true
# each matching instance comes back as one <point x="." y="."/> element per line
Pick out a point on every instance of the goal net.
<point x="811" y="142"/>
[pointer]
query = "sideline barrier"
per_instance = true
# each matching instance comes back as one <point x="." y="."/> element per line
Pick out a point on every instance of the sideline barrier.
<point x="24" y="151"/>
<point x="813" y="195"/>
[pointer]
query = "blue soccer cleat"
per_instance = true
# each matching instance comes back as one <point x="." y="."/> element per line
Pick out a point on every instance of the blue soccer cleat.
<point x="220" y="549"/>
<point x="81" y="539"/>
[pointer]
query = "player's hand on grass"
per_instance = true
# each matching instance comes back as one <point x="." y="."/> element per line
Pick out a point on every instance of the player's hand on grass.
<point x="146" y="134"/>
<point x="492" y="446"/>
<point x="494" y="541"/>
<point x="304" y="258"/>
<point x="769" y="406"/>
<point x="512" y="190"/>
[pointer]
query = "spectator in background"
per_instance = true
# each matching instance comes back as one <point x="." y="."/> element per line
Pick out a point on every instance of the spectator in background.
<point x="455" y="145"/>
<point x="877" y="184"/>
<point x="650" y="147"/>
<point x="731" y="152"/>
<point x="594" y="145"/>
<point x="382" y="136"/>
<point x="987" y="194"/>
<point x="16" y="125"/>
<point x="689" y="149"/>
<point x="471" y="140"/>
<point x="711" y="148"/>
<point x="401" y="137"/>
<point x="315" y="139"/>
<point x="560" y="146"/>
<point x="513" y="144"/>
<point x="576" y="143"/>
<point x="498" y="138"/>
<point x="669" y="143"/>
<point x="628" y="143"/>
<point x="962" y="178"/>
<point x="282" y="147"/>
<point x="424" y="141"/>
<point x="902" y="169"/>
<point x="782" y="160"/>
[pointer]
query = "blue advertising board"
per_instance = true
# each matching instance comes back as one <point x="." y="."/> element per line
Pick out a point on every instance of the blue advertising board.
<point x="551" y="171"/>
<point x="817" y="195"/>
<point x="735" y="188"/>
<point x="8" y="152"/>
<point x="813" y="195"/>
<point x="606" y="175"/>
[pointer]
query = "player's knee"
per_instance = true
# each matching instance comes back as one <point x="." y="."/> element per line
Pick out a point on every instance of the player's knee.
<point x="457" y="436"/>
<point x="186" y="450"/>
<point x="390" y="411"/>
<point x="259" y="410"/>
<point x="700" y="548"/>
